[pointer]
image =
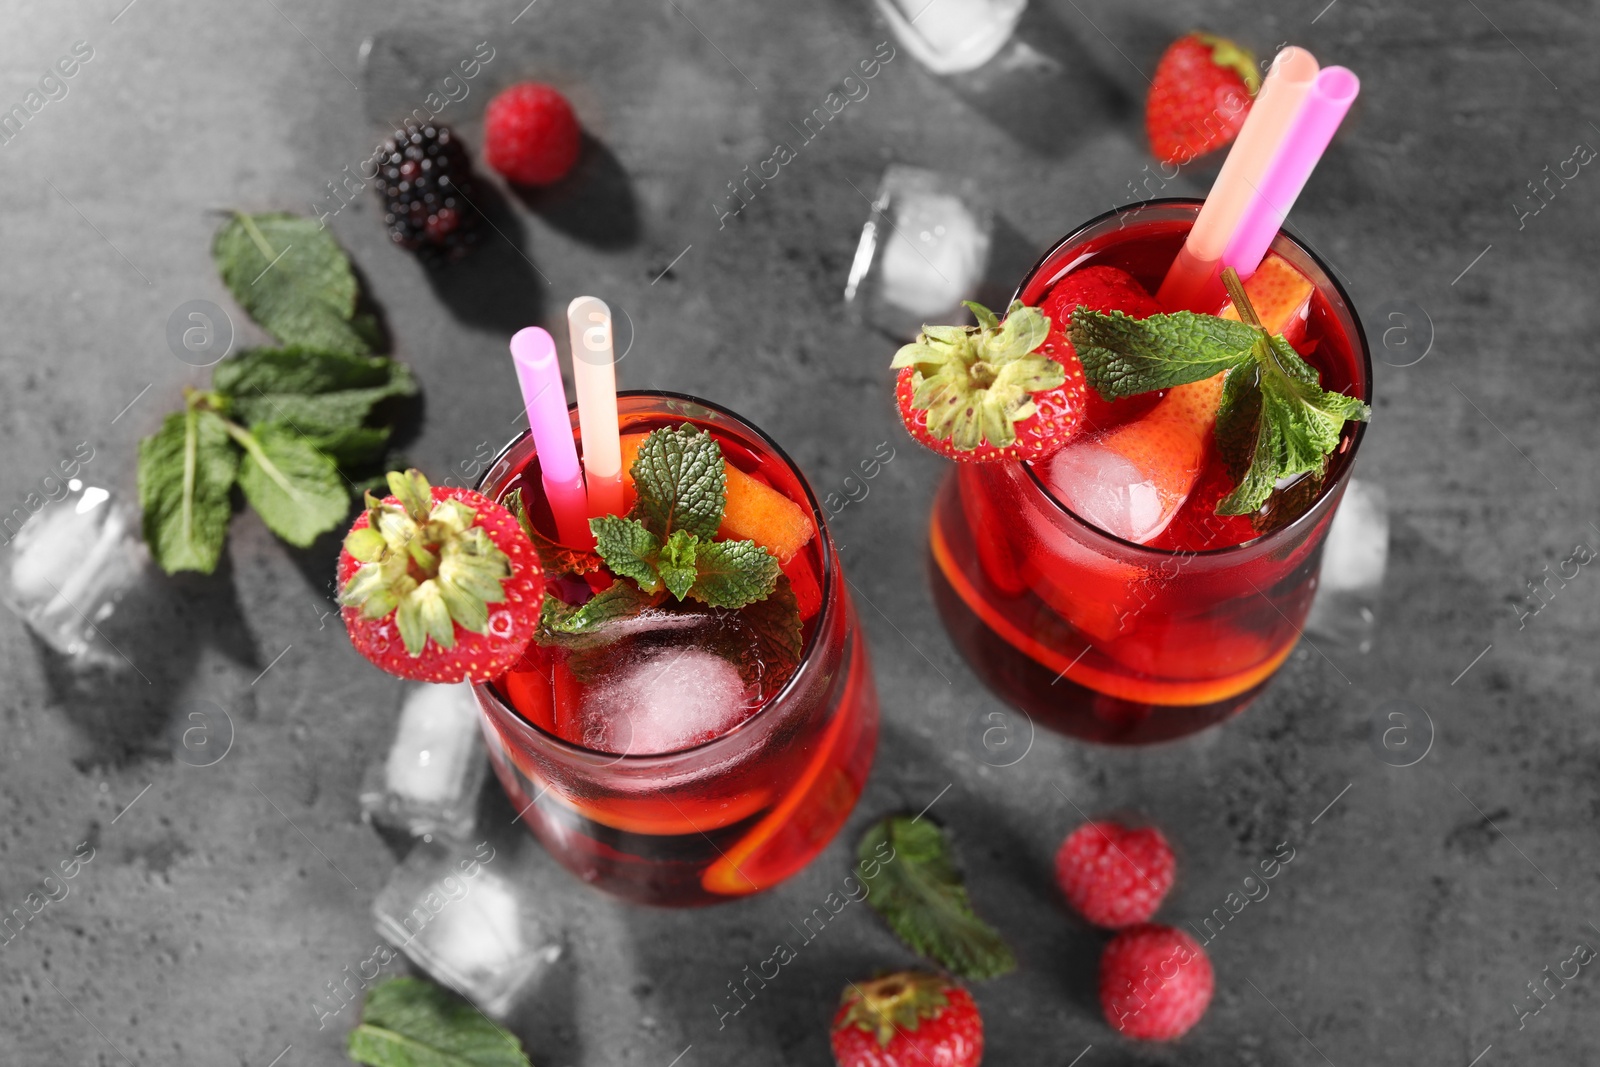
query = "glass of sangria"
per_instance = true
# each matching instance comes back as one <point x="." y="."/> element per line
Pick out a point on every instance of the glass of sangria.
<point x="684" y="761"/>
<point x="1108" y="639"/>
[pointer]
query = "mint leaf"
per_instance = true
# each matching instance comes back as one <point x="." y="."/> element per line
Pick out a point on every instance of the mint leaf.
<point x="298" y="491"/>
<point x="584" y="626"/>
<point x="677" y="562"/>
<point x="1124" y="356"/>
<point x="1298" y="425"/>
<point x="407" y="1022"/>
<point x="291" y="277"/>
<point x="327" y="396"/>
<point x="918" y="890"/>
<point x="1238" y="413"/>
<point x="555" y="559"/>
<point x="731" y="574"/>
<point x="763" y="639"/>
<point x="186" y="474"/>
<point x="629" y="549"/>
<point x="681" y="482"/>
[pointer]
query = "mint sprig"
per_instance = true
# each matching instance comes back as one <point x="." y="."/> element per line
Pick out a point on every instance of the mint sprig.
<point x="289" y="426"/>
<point x="666" y="540"/>
<point x="407" y="1022"/>
<point x="913" y="882"/>
<point x="1274" y="420"/>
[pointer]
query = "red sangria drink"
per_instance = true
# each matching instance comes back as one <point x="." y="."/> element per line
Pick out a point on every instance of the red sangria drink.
<point x="1146" y="580"/>
<point x="662" y="748"/>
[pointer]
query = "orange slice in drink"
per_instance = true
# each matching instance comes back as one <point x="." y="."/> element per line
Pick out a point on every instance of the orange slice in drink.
<point x="807" y="816"/>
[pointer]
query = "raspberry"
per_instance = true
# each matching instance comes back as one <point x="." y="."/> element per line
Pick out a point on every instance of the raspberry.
<point x="531" y="135"/>
<point x="1115" y="876"/>
<point x="426" y="183"/>
<point x="1155" y="982"/>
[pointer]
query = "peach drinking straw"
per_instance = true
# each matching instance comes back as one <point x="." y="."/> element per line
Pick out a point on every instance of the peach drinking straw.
<point x="1325" y="106"/>
<point x="533" y="352"/>
<point x="594" y="376"/>
<point x="1193" y="282"/>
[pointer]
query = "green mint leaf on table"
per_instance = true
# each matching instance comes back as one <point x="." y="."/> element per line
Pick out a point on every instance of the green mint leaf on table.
<point x="630" y="550"/>
<point x="296" y="489"/>
<point x="407" y="1022"/>
<point x="293" y="278"/>
<point x="557" y="560"/>
<point x="920" y="893"/>
<point x="1123" y="356"/>
<point x="731" y="574"/>
<point x="681" y="482"/>
<point x="186" y="474"/>
<point x="329" y="397"/>
<point x="977" y="382"/>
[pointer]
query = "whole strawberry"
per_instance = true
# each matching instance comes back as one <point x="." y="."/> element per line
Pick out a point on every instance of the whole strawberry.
<point x="988" y="392"/>
<point x="531" y="134"/>
<point x="1155" y="982"/>
<point x="1114" y="876"/>
<point x="907" y="1019"/>
<point x="439" y="584"/>
<point x="1098" y="288"/>
<point x="1199" y="97"/>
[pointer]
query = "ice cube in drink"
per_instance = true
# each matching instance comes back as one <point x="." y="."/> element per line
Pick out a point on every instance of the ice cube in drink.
<point x="67" y="567"/>
<point x="428" y="783"/>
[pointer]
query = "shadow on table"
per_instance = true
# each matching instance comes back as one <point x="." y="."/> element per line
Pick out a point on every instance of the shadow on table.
<point x="128" y="709"/>
<point x="594" y="204"/>
<point x="495" y="286"/>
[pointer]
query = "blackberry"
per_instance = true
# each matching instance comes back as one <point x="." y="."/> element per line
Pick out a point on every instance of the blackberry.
<point x="428" y="190"/>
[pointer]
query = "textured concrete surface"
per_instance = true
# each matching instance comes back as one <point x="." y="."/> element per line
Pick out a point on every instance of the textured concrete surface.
<point x="1421" y="901"/>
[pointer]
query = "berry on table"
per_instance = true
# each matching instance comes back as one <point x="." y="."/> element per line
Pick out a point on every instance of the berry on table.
<point x="907" y="1019"/>
<point x="1155" y="982"/>
<point x="1114" y="876"/>
<point x="428" y="190"/>
<point x="531" y="134"/>
<point x="1199" y="97"/>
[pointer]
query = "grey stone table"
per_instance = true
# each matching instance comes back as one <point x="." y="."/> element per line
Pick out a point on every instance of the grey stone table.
<point x="1422" y="900"/>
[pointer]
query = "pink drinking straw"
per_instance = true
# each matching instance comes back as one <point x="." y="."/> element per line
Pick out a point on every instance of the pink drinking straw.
<point x="533" y="351"/>
<point x="1325" y="106"/>
<point x="1194" y="281"/>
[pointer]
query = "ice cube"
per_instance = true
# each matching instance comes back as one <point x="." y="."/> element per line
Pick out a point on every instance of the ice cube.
<point x="468" y="923"/>
<point x="68" y="565"/>
<point x="951" y="36"/>
<point x="1354" y="559"/>
<point x="934" y="254"/>
<point x="664" y="700"/>
<point x="430" y="779"/>
<point x="1105" y="488"/>
<point x="923" y="251"/>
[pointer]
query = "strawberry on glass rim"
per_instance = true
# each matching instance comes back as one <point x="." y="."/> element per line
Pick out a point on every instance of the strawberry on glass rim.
<point x="439" y="584"/>
<point x="990" y="392"/>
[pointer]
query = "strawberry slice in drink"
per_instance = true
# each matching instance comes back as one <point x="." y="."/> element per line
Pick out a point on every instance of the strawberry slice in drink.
<point x="1131" y="481"/>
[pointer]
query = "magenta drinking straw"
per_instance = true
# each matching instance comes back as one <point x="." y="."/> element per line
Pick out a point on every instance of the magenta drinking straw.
<point x="533" y="352"/>
<point x="1325" y="105"/>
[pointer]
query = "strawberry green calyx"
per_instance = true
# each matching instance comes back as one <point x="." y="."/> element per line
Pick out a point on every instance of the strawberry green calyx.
<point x="977" y="382"/>
<point x="1233" y="56"/>
<point x="425" y="561"/>
<point x="893" y="1004"/>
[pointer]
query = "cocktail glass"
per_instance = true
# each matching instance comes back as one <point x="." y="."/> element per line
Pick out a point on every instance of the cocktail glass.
<point x="1105" y="639"/>
<point x="715" y="820"/>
